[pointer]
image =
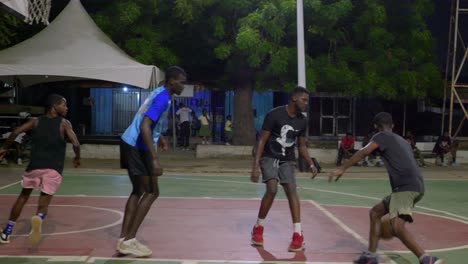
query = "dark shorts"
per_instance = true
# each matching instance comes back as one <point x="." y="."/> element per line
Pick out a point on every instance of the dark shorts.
<point x="282" y="171"/>
<point x="136" y="161"/>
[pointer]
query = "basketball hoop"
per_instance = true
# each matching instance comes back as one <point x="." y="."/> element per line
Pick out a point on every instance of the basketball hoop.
<point x="38" y="11"/>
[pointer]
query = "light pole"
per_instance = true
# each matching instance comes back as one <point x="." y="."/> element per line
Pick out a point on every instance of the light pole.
<point x="301" y="81"/>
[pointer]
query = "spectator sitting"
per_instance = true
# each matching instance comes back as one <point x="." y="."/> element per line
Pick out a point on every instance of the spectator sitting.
<point x="416" y="152"/>
<point x="442" y="147"/>
<point x="455" y="145"/>
<point x="346" y="149"/>
<point x="18" y="146"/>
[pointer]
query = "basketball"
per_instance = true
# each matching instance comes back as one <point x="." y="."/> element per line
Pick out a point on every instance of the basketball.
<point x="385" y="228"/>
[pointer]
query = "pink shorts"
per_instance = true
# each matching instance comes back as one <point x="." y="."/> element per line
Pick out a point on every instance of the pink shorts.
<point x="46" y="180"/>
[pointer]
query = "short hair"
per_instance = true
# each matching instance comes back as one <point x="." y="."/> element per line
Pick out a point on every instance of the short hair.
<point x="349" y="133"/>
<point x="53" y="99"/>
<point x="383" y="119"/>
<point x="173" y="72"/>
<point x="298" y="90"/>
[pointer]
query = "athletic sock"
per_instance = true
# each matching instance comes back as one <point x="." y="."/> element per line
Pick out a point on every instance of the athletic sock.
<point x="260" y="222"/>
<point x="297" y="228"/>
<point x="9" y="227"/>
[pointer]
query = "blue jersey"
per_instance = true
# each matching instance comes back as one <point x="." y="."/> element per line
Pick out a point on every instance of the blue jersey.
<point x="155" y="107"/>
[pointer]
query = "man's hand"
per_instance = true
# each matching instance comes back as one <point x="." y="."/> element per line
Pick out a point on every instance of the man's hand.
<point x="255" y="174"/>
<point x="163" y="144"/>
<point x="157" y="170"/>
<point x="335" y="174"/>
<point x="314" y="171"/>
<point x="76" y="162"/>
<point x="2" y="153"/>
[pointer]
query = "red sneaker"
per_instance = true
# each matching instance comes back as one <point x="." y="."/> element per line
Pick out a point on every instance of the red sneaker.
<point x="257" y="235"/>
<point x="297" y="243"/>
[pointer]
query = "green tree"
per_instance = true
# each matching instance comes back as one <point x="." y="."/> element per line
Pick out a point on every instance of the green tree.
<point x="8" y="27"/>
<point x="356" y="47"/>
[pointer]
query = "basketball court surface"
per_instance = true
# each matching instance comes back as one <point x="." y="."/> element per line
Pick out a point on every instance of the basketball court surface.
<point x="208" y="219"/>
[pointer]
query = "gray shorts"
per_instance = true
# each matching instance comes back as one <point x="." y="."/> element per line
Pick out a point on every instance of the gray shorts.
<point x="282" y="171"/>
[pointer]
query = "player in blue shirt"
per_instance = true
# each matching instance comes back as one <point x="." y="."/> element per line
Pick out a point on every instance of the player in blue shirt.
<point x="138" y="155"/>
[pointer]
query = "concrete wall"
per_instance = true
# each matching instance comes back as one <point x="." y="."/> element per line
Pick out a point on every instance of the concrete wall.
<point x="96" y="151"/>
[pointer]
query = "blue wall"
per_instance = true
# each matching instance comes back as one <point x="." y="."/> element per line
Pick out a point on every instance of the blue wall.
<point x="262" y="103"/>
<point x="101" y="112"/>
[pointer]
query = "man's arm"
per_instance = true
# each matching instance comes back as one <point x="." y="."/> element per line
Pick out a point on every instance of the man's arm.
<point x="147" y="136"/>
<point x="365" y="151"/>
<point x="31" y="123"/>
<point x="302" y="147"/>
<point x="74" y="141"/>
<point x="264" y="135"/>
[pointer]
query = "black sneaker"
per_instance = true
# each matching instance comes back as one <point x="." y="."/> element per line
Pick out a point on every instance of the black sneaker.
<point x="367" y="258"/>
<point x="431" y="260"/>
<point x="4" y="238"/>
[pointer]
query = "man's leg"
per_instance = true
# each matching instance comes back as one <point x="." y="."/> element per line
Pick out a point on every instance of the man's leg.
<point x="265" y="206"/>
<point x="131" y="206"/>
<point x="297" y="242"/>
<point x="339" y="157"/>
<point x="36" y="220"/>
<point x="19" y="204"/>
<point x="14" y="214"/>
<point x="151" y="188"/>
<point x="187" y="134"/>
<point x="293" y="200"/>
<point x="375" y="214"/>
<point x="268" y="198"/>
<point x="406" y="237"/>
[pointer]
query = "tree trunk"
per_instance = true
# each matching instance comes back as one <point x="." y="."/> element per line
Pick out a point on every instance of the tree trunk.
<point x="244" y="131"/>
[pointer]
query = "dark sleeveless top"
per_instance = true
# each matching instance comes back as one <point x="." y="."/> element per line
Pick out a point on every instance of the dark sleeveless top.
<point x="48" y="147"/>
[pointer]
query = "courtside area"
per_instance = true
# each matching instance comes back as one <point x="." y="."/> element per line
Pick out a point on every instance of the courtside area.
<point x="207" y="208"/>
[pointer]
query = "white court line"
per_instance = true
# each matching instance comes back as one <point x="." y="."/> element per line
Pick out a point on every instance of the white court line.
<point x="194" y="261"/>
<point x="379" y="199"/>
<point x="344" y="226"/>
<point x="9" y="185"/>
<point x="84" y="230"/>
<point x="419" y="212"/>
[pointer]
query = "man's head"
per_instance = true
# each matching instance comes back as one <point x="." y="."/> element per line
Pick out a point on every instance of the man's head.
<point x="228" y="117"/>
<point x="300" y="98"/>
<point x="383" y="121"/>
<point x="175" y="79"/>
<point x="56" y="103"/>
<point x="349" y="135"/>
<point x="446" y="134"/>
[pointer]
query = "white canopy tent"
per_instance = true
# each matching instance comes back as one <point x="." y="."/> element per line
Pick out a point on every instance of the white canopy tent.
<point x="73" y="47"/>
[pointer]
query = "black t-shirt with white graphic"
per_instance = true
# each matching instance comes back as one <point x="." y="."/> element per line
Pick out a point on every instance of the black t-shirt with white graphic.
<point x="284" y="132"/>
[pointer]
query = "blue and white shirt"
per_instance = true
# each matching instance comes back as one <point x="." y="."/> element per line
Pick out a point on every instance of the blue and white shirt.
<point x="156" y="107"/>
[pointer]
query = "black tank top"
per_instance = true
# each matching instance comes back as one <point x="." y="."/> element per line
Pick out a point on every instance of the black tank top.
<point x="48" y="147"/>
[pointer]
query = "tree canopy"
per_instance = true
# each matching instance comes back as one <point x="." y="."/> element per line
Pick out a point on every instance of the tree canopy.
<point x="379" y="48"/>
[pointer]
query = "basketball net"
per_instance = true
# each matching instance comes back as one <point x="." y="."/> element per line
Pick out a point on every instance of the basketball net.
<point x="38" y="11"/>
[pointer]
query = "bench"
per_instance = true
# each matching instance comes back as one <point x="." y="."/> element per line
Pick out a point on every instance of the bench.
<point x="426" y="149"/>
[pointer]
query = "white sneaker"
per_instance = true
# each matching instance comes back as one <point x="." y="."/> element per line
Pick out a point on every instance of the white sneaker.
<point x="36" y="229"/>
<point x="4" y="162"/>
<point x="119" y="242"/>
<point x="4" y="238"/>
<point x="20" y="162"/>
<point x="135" y="248"/>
